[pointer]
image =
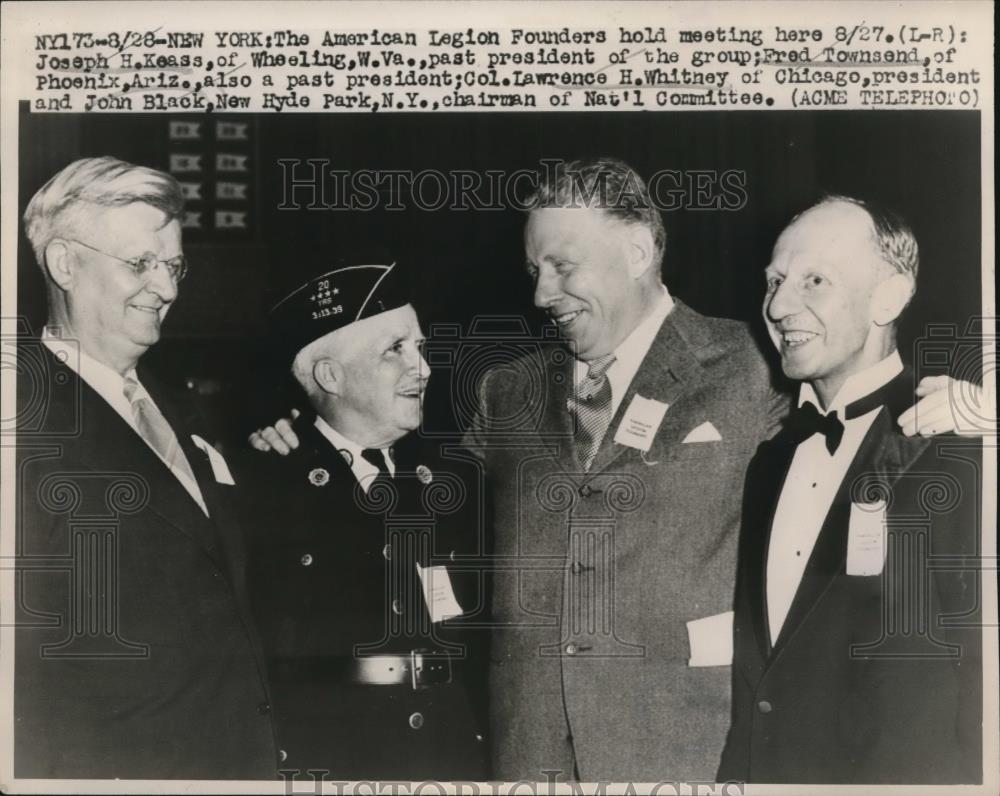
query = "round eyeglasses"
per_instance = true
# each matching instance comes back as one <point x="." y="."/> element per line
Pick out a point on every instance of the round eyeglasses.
<point x="143" y="265"/>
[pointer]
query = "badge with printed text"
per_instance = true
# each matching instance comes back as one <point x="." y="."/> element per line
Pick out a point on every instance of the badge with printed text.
<point x="438" y="594"/>
<point x="866" y="539"/>
<point x="424" y="474"/>
<point x="640" y="423"/>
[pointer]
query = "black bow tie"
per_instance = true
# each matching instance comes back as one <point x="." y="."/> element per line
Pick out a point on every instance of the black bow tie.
<point x="806" y="420"/>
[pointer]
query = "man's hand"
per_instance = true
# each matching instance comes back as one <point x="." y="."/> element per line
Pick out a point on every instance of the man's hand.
<point x="278" y="437"/>
<point x="947" y="404"/>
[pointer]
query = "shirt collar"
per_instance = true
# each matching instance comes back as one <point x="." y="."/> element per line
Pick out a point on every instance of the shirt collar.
<point x="633" y="349"/>
<point x="340" y="442"/>
<point x="857" y="385"/>
<point x="104" y="379"/>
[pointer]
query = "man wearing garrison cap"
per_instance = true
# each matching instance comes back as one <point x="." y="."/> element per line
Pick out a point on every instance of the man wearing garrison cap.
<point x="352" y="543"/>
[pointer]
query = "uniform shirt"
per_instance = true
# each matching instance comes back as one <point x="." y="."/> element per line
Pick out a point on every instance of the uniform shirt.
<point x="363" y="469"/>
<point x="110" y="385"/>
<point x="813" y="479"/>
<point x="631" y="351"/>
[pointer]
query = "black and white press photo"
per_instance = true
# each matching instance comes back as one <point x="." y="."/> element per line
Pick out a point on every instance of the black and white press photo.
<point x="498" y="401"/>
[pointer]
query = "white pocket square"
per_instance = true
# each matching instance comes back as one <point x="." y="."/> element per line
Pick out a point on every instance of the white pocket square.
<point x="706" y="432"/>
<point x="711" y="640"/>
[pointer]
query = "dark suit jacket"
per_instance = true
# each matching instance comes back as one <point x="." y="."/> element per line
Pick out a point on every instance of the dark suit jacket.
<point x="598" y="573"/>
<point x="135" y="654"/>
<point x="333" y="577"/>
<point x="873" y="679"/>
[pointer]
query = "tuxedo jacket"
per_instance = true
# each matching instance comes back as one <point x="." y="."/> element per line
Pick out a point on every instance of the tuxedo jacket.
<point x="599" y="573"/>
<point x="334" y="578"/>
<point x="873" y="678"/>
<point x="136" y="655"/>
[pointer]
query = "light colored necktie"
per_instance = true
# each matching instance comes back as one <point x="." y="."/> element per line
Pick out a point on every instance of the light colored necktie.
<point x="591" y="407"/>
<point x="154" y="428"/>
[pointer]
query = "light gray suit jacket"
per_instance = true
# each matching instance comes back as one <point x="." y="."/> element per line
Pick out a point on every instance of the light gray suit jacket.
<point x="598" y="573"/>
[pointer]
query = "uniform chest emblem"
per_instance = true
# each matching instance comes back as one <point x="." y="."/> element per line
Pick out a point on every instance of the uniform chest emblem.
<point x="319" y="477"/>
<point x="424" y="474"/>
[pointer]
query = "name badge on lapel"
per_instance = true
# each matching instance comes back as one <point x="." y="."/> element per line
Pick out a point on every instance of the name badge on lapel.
<point x="438" y="594"/>
<point x="866" y="539"/>
<point x="220" y="470"/>
<point x="641" y="422"/>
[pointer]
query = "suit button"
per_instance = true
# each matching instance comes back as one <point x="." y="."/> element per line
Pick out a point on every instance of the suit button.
<point x="571" y="649"/>
<point x="577" y="568"/>
<point x="479" y="738"/>
<point x="387" y="553"/>
<point x="306" y="560"/>
<point x="282" y="755"/>
<point x="586" y="491"/>
<point x="416" y="720"/>
<point x="764" y="706"/>
<point x="397" y="607"/>
<point x="263" y="709"/>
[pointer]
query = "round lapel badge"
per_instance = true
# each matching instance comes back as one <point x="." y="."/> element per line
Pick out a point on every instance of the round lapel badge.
<point x="424" y="474"/>
<point x="319" y="477"/>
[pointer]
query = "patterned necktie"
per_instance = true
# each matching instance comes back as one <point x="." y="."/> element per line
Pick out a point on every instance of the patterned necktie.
<point x="154" y="428"/>
<point x="590" y="406"/>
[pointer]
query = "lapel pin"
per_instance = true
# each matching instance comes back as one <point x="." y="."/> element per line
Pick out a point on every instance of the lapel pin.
<point x="319" y="477"/>
<point x="424" y="474"/>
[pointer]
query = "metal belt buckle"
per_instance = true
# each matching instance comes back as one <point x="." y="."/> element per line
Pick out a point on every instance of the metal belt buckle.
<point x="417" y="672"/>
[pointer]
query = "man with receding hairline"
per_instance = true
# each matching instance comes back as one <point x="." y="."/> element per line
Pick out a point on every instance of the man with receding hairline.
<point x="857" y="654"/>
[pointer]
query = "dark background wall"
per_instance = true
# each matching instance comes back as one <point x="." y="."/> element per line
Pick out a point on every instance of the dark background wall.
<point x="923" y="164"/>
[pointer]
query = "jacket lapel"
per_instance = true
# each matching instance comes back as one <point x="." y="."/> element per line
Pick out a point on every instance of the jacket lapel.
<point x="769" y="471"/>
<point x="669" y="370"/>
<point x="557" y="424"/>
<point x="177" y="506"/>
<point x="884" y="455"/>
<point x="109" y="444"/>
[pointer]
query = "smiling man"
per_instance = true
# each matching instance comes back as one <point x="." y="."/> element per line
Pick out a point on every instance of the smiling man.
<point x="135" y="653"/>
<point x="616" y="477"/>
<point x="611" y="602"/>
<point x="617" y="504"/>
<point x="353" y="545"/>
<point x="857" y="651"/>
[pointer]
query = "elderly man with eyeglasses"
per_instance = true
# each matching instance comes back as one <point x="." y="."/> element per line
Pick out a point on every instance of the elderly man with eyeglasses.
<point x="136" y="657"/>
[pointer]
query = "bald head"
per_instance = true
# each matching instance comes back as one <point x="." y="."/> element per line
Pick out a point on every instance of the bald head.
<point x="839" y="277"/>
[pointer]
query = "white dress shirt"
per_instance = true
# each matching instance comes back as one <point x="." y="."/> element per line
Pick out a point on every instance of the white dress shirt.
<point x="811" y="485"/>
<point x="363" y="469"/>
<point x="631" y="351"/>
<point x="110" y="385"/>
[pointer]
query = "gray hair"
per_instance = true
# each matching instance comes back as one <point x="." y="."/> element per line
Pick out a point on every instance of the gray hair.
<point x="894" y="239"/>
<point x="62" y="203"/>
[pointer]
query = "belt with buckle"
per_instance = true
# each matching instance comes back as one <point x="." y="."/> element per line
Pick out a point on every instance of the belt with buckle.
<point x="418" y="669"/>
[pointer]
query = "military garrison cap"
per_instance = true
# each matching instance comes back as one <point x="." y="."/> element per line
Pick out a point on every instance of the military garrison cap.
<point x="333" y="300"/>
